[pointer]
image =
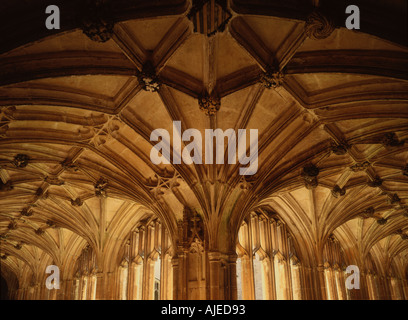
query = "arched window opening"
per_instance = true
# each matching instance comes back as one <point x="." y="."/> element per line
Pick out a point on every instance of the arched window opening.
<point x="296" y="278"/>
<point x="372" y="279"/>
<point x="149" y="272"/>
<point x="85" y="279"/>
<point x="166" y="277"/>
<point x="123" y="280"/>
<point x="84" y="287"/>
<point x="258" y="278"/>
<point x="76" y="287"/>
<point x="265" y="250"/>
<point x="329" y="283"/>
<point x="334" y="278"/>
<point x="281" y="276"/>
<point x="239" y="279"/>
<point x="93" y="281"/>
<point x="157" y="277"/>
<point x="395" y="284"/>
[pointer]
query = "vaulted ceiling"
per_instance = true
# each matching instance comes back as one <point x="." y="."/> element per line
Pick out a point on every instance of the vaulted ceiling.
<point x="77" y="114"/>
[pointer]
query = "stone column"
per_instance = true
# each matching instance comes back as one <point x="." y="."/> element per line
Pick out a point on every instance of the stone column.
<point x="214" y="281"/>
<point x="405" y="288"/>
<point x="19" y="294"/>
<point x="401" y="289"/>
<point x="52" y="294"/>
<point x="231" y="292"/>
<point x="175" y="271"/>
<point x="330" y="284"/>
<point x="248" y="287"/>
<point x="362" y="293"/>
<point x="307" y="284"/>
<point x="267" y="268"/>
<point x="340" y="284"/>
<point x="166" y="292"/>
<point x="395" y="287"/>
<point x="376" y="285"/>
<point x="148" y="292"/>
<point x="61" y="292"/>
<point x="321" y="283"/>
<point x="135" y="269"/>
<point x="281" y="276"/>
<point x="385" y="293"/>
<point x="296" y="281"/>
<point x="36" y="294"/>
<point x="387" y="281"/>
<point x="100" y="286"/>
<point x="381" y="288"/>
<point x="68" y="289"/>
<point x="179" y="266"/>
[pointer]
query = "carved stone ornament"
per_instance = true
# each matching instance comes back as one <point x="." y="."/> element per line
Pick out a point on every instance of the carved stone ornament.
<point x="391" y="140"/>
<point x="54" y="181"/>
<point x="191" y="227"/>
<point x="337" y="191"/>
<point x="105" y="132"/>
<point x="26" y="212"/>
<point x="39" y="231"/>
<point x="51" y="224"/>
<point x="167" y="180"/>
<point x="377" y="182"/>
<point x="339" y="149"/>
<point x="361" y="166"/>
<point x="69" y="166"/>
<point x="245" y="183"/>
<point x="309" y="175"/>
<point x="382" y="221"/>
<point x="97" y="21"/>
<point x="405" y="170"/>
<point x="8" y="186"/>
<point x="310" y="171"/>
<point x="210" y="104"/>
<point x="216" y="16"/>
<point x="77" y="202"/>
<point x="39" y="192"/>
<point x="367" y="213"/>
<point x="318" y="26"/>
<point x="12" y="225"/>
<point x="21" y="160"/>
<point x="100" y="188"/>
<point x="394" y="199"/>
<point x="148" y="78"/>
<point x="6" y="116"/>
<point x="272" y="79"/>
<point x="42" y="194"/>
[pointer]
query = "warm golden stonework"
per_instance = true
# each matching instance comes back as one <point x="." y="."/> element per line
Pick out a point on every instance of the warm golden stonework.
<point x="78" y="189"/>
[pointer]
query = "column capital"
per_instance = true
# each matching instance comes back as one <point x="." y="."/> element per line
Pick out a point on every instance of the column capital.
<point x="175" y="261"/>
<point x="320" y="268"/>
<point x="214" y="256"/>
<point x="232" y="257"/>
